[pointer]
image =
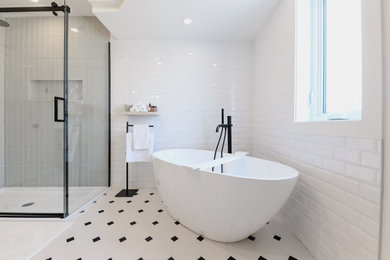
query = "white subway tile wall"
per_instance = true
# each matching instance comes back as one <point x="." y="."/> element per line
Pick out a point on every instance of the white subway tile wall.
<point x="32" y="155"/>
<point x="189" y="81"/>
<point x="335" y="207"/>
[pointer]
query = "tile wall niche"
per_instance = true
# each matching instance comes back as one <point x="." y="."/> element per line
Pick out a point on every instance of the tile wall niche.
<point x="335" y="207"/>
<point x="189" y="81"/>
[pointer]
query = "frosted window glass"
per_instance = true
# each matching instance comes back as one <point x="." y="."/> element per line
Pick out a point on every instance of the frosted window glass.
<point x="343" y="56"/>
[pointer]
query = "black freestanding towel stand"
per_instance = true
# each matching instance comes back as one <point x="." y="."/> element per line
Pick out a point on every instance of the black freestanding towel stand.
<point x="128" y="192"/>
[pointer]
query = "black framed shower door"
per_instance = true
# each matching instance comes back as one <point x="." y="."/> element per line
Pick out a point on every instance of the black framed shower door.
<point x="46" y="166"/>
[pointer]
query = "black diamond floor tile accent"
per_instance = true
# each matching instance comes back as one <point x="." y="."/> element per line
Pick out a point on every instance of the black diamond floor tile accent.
<point x="79" y="258"/>
<point x="49" y="258"/>
<point x="69" y="239"/>
<point x="277" y="237"/>
<point x="82" y="211"/>
<point x="252" y="238"/>
<point x="104" y="194"/>
<point x="171" y="258"/>
<point x="138" y="202"/>
<point x="94" y="201"/>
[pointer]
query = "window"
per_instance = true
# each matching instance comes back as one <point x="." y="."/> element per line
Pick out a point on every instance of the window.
<point x="328" y="60"/>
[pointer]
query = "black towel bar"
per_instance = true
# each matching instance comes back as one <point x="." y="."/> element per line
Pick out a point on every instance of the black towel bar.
<point x="126" y="192"/>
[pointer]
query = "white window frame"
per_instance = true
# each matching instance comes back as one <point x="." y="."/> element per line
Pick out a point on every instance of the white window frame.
<point x="318" y="81"/>
<point x="370" y="125"/>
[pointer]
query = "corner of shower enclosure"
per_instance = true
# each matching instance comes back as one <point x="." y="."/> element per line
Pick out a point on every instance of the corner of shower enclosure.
<point x="50" y="164"/>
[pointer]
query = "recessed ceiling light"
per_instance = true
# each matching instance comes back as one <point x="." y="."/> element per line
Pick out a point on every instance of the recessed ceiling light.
<point x="35" y="1"/>
<point x="187" y="21"/>
<point x="190" y="54"/>
<point x="74" y="30"/>
<point x="215" y="65"/>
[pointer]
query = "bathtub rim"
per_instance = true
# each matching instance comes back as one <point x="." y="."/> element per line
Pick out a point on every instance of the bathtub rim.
<point x="294" y="173"/>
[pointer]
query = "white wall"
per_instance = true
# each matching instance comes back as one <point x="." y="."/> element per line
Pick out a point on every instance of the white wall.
<point x="335" y="208"/>
<point x="179" y="77"/>
<point x="385" y="254"/>
<point x="2" y="60"/>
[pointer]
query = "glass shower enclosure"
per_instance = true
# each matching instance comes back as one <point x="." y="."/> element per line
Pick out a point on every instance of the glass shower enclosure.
<point x="54" y="111"/>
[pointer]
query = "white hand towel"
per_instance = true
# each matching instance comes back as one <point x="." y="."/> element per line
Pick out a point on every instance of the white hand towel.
<point x="133" y="155"/>
<point x="141" y="137"/>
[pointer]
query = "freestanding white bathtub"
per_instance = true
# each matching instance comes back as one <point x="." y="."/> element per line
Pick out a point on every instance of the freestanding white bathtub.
<point x="225" y="207"/>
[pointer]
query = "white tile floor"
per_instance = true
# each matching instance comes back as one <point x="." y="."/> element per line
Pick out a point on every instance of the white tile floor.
<point x="140" y="228"/>
<point x="20" y="239"/>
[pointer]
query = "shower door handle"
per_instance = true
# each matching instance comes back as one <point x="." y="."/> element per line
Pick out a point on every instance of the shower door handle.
<point x="56" y="119"/>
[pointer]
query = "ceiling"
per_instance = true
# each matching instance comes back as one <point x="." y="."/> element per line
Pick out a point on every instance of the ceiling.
<point x="78" y="7"/>
<point x="162" y="19"/>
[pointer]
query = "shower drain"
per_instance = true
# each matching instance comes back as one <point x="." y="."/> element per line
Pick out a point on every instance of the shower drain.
<point x="28" y="204"/>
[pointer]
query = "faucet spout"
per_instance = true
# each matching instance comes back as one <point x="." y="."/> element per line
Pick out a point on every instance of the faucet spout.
<point x="226" y="131"/>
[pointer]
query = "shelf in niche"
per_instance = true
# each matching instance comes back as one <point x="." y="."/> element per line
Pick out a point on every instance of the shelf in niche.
<point x="141" y="113"/>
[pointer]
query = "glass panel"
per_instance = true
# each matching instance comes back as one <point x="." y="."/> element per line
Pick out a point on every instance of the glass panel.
<point x="31" y="142"/>
<point x="308" y="60"/>
<point x="88" y="110"/>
